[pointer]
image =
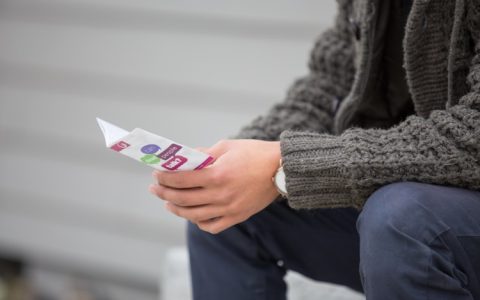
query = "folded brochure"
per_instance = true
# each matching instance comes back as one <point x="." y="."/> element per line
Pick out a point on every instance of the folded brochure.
<point x="153" y="150"/>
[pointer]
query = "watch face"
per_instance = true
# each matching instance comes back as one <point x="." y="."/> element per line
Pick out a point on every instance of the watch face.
<point x="280" y="181"/>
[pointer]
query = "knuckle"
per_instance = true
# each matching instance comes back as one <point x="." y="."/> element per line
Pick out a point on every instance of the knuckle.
<point x="228" y="195"/>
<point x="217" y="197"/>
<point x="221" y="196"/>
<point x="223" y="211"/>
<point x="217" y="176"/>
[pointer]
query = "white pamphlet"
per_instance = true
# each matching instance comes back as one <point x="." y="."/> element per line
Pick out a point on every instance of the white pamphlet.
<point x="153" y="150"/>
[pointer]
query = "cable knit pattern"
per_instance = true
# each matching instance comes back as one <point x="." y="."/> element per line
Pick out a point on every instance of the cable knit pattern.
<point x="439" y="145"/>
<point x="312" y="100"/>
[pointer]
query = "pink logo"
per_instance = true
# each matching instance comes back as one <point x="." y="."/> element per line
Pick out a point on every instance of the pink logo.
<point x="175" y="162"/>
<point x="170" y="151"/>
<point x="120" y="146"/>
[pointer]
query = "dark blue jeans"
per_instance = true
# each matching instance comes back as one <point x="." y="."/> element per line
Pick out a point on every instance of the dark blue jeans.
<point x="410" y="241"/>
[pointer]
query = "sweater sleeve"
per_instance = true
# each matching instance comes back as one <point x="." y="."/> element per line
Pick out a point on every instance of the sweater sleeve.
<point x="339" y="171"/>
<point x="311" y="101"/>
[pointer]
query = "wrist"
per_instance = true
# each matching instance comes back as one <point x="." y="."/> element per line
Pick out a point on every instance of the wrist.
<point x="276" y="153"/>
<point x="279" y="181"/>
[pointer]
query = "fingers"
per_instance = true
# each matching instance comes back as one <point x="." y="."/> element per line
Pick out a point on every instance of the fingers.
<point x="196" y="178"/>
<point x="208" y="218"/>
<point x="196" y="214"/>
<point x="183" y="179"/>
<point x="181" y="197"/>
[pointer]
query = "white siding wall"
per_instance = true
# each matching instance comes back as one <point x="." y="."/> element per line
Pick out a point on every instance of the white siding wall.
<point x="193" y="71"/>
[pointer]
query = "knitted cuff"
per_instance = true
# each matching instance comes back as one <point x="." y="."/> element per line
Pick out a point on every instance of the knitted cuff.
<point x="316" y="170"/>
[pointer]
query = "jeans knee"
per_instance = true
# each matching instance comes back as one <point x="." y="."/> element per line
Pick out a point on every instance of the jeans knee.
<point x="394" y="207"/>
<point x="394" y="218"/>
<point x="388" y="222"/>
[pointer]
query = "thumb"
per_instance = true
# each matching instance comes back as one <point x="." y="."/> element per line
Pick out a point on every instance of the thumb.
<point x="218" y="149"/>
<point x="202" y="149"/>
<point x="212" y="151"/>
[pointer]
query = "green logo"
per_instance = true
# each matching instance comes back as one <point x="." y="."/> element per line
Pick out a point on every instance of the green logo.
<point x="150" y="159"/>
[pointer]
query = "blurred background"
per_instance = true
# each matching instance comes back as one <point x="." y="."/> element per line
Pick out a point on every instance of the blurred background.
<point x="76" y="219"/>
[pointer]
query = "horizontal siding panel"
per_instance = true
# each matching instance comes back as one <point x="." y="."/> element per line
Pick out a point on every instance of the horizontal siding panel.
<point x="88" y="189"/>
<point x="113" y="256"/>
<point x="47" y="80"/>
<point x="227" y="63"/>
<point x="72" y="118"/>
<point x="308" y="13"/>
<point x="76" y="215"/>
<point x="159" y="227"/>
<point x="192" y="71"/>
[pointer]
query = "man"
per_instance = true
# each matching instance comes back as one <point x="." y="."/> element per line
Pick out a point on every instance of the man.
<point x="382" y="166"/>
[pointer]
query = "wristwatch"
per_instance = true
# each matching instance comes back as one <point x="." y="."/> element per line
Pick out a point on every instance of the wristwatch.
<point x="280" y="182"/>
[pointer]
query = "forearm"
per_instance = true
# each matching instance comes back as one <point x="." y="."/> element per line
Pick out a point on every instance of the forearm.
<point x="339" y="171"/>
<point x="444" y="148"/>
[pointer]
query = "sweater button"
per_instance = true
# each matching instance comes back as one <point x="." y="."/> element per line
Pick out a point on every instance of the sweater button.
<point x="354" y="28"/>
<point x="424" y="23"/>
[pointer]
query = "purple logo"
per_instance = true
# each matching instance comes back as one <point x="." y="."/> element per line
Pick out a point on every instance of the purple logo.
<point x="175" y="163"/>
<point x="170" y="151"/>
<point x="150" y="149"/>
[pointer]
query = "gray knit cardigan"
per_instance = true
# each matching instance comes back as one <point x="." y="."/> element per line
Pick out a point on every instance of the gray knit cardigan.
<point x="330" y="163"/>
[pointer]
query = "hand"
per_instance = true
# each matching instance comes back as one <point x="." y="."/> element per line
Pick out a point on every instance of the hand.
<point x="236" y="186"/>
